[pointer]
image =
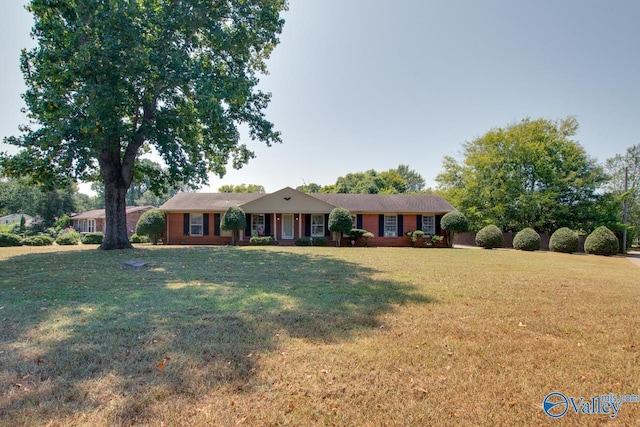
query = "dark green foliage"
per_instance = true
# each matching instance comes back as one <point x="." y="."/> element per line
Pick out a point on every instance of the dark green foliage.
<point x="303" y="241"/>
<point x="8" y="239"/>
<point x="41" y="240"/>
<point x="453" y="222"/>
<point x="151" y="223"/>
<point x="234" y="220"/>
<point x="340" y="220"/>
<point x="414" y="235"/>
<point x="93" y="238"/>
<point x="319" y="241"/>
<point x="69" y="238"/>
<point x="262" y="241"/>
<point x="602" y="241"/>
<point x="564" y="240"/>
<point x="357" y="233"/>
<point x="135" y="238"/>
<point x="490" y="237"/>
<point x="527" y="240"/>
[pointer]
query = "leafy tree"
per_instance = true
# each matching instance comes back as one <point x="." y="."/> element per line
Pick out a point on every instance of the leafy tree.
<point x="110" y="80"/>
<point x="529" y="174"/>
<point x="309" y="188"/>
<point x="234" y="220"/>
<point x="340" y="222"/>
<point x="242" y="188"/>
<point x="453" y="222"/>
<point x="624" y="183"/>
<point x="151" y="223"/>
<point x="413" y="180"/>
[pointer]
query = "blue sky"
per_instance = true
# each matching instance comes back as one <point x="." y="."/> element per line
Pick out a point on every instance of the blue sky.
<point x="370" y="84"/>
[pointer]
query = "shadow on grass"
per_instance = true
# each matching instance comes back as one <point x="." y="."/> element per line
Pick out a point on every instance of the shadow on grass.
<point x="81" y="333"/>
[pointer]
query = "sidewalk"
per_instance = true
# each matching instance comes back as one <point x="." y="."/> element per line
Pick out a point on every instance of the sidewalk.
<point x="634" y="257"/>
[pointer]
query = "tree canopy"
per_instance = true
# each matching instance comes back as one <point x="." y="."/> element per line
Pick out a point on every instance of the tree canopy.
<point x="242" y="188"/>
<point x="109" y="81"/>
<point x="528" y="174"/>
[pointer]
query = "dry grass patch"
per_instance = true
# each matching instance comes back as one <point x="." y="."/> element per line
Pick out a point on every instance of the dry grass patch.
<point x="313" y="336"/>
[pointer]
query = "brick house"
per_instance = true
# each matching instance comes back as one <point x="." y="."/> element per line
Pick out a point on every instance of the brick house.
<point x="287" y="214"/>
<point x="95" y="220"/>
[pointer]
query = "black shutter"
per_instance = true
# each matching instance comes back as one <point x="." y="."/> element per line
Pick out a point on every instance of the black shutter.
<point x="327" y="232"/>
<point x="400" y="225"/>
<point x="216" y="224"/>
<point x="438" y="225"/>
<point x="185" y="225"/>
<point x="359" y="221"/>
<point x="418" y="222"/>
<point x="381" y="225"/>
<point x="267" y="224"/>
<point x="247" y="231"/>
<point x="205" y="224"/>
<point x="307" y="225"/>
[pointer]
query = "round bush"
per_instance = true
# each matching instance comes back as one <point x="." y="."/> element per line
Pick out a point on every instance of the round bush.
<point x="69" y="238"/>
<point x="40" y="240"/>
<point x="138" y="239"/>
<point x="564" y="240"/>
<point x="151" y="223"/>
<point x="93" y="238"/>
<point x="601" y="242"/>
<point x="340" y="220"/>
<point x="490" y="237"/>
<point x="9" y="239"/>
<point x="454" y="221"/>
<point x="527" y="240"/>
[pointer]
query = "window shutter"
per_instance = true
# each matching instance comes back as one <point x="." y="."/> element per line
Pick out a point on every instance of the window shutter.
<point x="185" y="226"/>
<point x="400" y="225"/>
<point x="247" y="231"/>
<point x="307" y="225"/>
<point x="359" y="221"/>
<point x="205" y="224"/>
<point x="216" y="224"/>
<point x="327" y="232"/>
<point x="438" y="226"/>
<point x="381" y="225"/>
<point x="267" y="224"/>
<point x="418" y="222"/>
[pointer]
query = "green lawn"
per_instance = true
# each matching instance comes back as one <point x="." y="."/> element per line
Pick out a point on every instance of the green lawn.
<point x="313" y="336"/>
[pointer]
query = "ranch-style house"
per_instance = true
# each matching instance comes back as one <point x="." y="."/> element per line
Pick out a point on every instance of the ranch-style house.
<point x="288" y="214"/>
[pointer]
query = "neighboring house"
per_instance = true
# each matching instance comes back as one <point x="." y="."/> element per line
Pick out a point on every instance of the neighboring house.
<point x="287" y="214"/>
<point x="15" y="219"/>
<point x="94" y="221"/>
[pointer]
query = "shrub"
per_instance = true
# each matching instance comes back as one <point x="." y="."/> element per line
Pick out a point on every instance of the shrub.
<point x="490" y="237"/>
<point x="262" y="241"/>
<point x="340" y="220"/>
<point x="8" y="239"/>
<point x="69" y="238"/>
<point x="303" y="241"/>
<point x="360" y="234"/>
<point x="527" y="239"/>
<point x="151" y="223"/>
<point x="564" y="240"/>
<point x="93" y="238"/>
<point x="234" y="220"/>
<point x="41" y="240"/>
<point x="61" y="223"/>
<point x="414" y="236"/>
<point x="453" y="222"/>
<point x="138" y="239"/>
<point x="319" y="241"/>
<point x="601" y="241"/>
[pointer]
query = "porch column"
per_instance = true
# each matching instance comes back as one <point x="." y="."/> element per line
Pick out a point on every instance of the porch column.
<point x="300" y="225"/>
<point x="275" y="227"/>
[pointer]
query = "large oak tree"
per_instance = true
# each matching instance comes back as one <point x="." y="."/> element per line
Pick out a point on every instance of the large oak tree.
<point x="110" y="80"/>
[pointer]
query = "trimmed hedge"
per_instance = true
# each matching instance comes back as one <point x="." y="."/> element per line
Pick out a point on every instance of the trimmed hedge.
<point x="40" y="240"/>
<point x="564" y="240"/>
<point x="151" y="223"/>
<point x="138" y="239"/>
<point x="602" y="241"/>
<point x="93" y="238"/>
<point x="303" y="241"/>
<point x="527" y="239"/>
<point x="69" y="238"/>
<point x="262" y="241"/>
<point x="9" y="239"/>
<point x="490" y="237"/>
<point x="319" y="241"/>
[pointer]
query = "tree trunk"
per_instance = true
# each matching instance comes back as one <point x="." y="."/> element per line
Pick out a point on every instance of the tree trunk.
<point x="116" y="184"/>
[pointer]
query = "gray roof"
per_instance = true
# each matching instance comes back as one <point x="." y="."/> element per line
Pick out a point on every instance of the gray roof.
<point x="100" y="213"/>
<point x="365" y="203"/>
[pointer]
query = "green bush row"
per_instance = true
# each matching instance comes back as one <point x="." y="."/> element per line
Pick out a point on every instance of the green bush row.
<point x="262" y="241"/>
<point x="311" y="241"/>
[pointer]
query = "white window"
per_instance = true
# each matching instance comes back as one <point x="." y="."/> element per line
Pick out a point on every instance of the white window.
<point x="195" y="224"/>
<point x="390" y="226"/>
<point x="91" y="225"/>
<point x="257" y="225"/>
<point x="429" y="225"/>
<point x="317" y="225"/>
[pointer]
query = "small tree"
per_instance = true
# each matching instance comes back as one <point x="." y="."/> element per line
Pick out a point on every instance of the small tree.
<point x="340" y="222"/>
<point x="452" y="222"/>
<point x="151" y="223"/>
<point x="234" y="220"/>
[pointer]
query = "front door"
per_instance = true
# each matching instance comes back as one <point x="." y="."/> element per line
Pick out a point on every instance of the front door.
<point x="287" y="226"/>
